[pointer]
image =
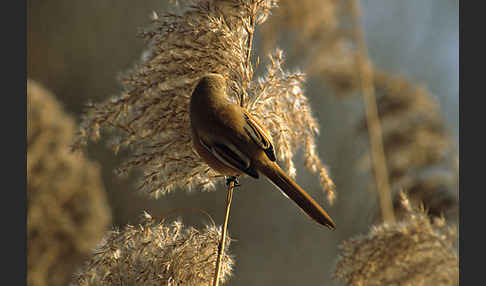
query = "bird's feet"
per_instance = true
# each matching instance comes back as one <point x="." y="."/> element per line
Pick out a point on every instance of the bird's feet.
<point x="233" y="179"/>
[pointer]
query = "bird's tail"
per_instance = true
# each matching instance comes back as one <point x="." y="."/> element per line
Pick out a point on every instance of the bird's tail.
<point x="288" y="186"/>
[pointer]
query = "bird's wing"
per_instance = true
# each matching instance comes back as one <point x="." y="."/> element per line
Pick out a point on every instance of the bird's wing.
<point x="258" y="135"/>
<point x="228" y="154"/>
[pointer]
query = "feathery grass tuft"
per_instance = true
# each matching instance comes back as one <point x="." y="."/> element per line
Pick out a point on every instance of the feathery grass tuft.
<point x="414" y="251"/>
<point x="151" y="116"/>
<point x="67" y="208"/>
<point x="156" y="253"/>
<point x="417" y="146"/>
<point x="415" y="139"/>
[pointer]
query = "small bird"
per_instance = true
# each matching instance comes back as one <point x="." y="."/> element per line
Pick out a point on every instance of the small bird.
<point x="234" y="143"/>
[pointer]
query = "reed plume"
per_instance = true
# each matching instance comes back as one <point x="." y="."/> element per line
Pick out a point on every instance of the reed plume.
<point x="67" y="208"/>
<point x="414" y="251"/>
<point x="417" y="147"/>
<point x="151" y="115"/>
<point x="156" y="253"/>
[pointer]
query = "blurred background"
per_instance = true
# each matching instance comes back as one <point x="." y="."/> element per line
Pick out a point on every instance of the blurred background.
<point x="76" y="50"/>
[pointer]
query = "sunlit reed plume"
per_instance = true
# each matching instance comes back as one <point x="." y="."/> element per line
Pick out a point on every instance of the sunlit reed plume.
<point x="151" y="114"/>
<point x="156" y="253"/>
<point x="414" y="251"/>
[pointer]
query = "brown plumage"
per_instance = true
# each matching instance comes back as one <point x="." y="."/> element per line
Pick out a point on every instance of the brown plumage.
<point x="232" y="142"/>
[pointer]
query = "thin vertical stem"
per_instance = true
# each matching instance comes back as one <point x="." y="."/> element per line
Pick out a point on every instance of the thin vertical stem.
<point x="249" y="45"/>
<point x="222" y="243"/>
<point x="373" y="122"/>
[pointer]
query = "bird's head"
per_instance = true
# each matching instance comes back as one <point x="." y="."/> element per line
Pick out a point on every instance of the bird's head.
<point x="211" y="84"/>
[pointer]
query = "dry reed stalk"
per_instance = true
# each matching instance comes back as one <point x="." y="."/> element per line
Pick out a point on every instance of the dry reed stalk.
<point x="417" y="146"/>
<point x="373" y="122"/>
<point x="222" y="242"/>
<point x="413" y="131"/>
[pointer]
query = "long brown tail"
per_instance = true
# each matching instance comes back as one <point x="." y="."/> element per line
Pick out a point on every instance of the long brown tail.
<point x="275" y="174"/>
